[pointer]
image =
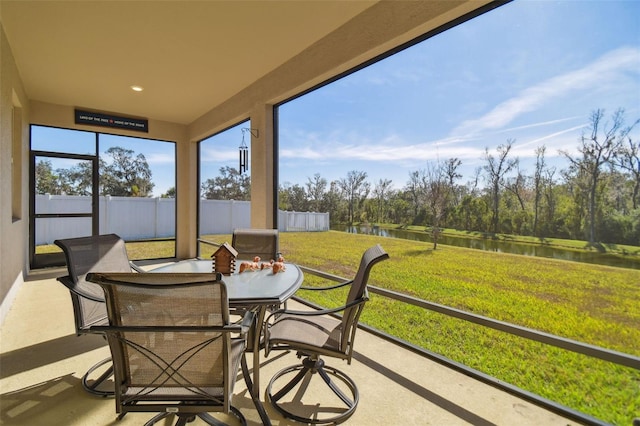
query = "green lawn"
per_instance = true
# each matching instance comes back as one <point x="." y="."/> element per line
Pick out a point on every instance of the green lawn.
<point x="590" y="303"/>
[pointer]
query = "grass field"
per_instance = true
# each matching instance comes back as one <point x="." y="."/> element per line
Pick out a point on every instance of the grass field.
<point x="590" y="303"/>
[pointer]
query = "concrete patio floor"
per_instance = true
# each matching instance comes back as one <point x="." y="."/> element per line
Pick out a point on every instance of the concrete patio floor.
<point x="42" y="362"/>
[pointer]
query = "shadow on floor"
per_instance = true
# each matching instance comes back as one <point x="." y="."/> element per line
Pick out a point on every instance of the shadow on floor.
<point x="48" y="352"/>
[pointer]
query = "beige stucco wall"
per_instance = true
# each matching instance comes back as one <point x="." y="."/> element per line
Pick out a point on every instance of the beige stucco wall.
<point x="14" y="231"/>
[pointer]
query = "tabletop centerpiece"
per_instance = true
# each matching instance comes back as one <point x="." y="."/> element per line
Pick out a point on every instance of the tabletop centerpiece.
<point x="224" y="259"/>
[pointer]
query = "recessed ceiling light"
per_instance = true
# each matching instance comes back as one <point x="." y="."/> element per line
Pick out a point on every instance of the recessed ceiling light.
<point x="137" y="88"/>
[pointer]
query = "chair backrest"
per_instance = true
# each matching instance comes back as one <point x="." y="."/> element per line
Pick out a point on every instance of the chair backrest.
<point x="250" y="243"/>
<point x="358" y="291"/>
<point x="103" y="253"/>
<point x="168" y="338"/>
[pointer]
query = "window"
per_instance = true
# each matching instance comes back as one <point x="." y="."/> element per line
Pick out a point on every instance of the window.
<point x="87" y="183"/>
<point x="438" y="111"/>
<point x="225" y="193"/>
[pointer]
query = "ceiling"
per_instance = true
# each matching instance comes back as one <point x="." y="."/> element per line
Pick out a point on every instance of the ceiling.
<point x="189" y="56"/>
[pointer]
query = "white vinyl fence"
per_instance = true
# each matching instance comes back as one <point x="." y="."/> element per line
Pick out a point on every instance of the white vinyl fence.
<point x="135" y="218"/>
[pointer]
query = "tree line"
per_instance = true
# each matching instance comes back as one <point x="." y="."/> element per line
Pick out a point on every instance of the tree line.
<point x="122" y="174"/>
<point x="596" y="198"/>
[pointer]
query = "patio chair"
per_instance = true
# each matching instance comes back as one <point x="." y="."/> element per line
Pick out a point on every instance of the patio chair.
<point x="104" y="253"/>
<point x="250" y="243"/>
<point x="320" y="333"/>
<point x="171" y="343"/>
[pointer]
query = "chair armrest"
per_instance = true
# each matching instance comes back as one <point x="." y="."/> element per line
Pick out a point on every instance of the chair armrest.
<point x="331" y="287"/>
<point x="136" y="268"/>
<point x="68" y="282"/>
<point x="247" y="322"/>
<point x="317" y="312"/>
<point x="164" y="328"/>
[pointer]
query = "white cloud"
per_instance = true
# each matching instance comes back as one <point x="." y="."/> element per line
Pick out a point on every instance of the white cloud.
<point x="605" y="69"/>
<point x="390" y="149"/>
<point x="218" y="155"/>
<point x="554" y="136"/>
<point x="396" y="153"/>
<point x="160" y="158"/>
<point x="541" y="124"/>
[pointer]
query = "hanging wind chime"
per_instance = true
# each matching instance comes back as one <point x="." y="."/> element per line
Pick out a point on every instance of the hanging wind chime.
<point x="244" y="150"/>
<point x="244" y="154"/>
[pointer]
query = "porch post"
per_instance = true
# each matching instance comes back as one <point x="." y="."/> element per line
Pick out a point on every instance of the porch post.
<point x="262" y="168"/>
<point x="187" y="200"/>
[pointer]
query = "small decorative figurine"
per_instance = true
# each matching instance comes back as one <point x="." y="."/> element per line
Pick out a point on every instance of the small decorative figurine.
<point x="278" y="266"/>
<point x="256" y="265"/>
<point x="250" y="266"/>
<point x="224" y="259"/>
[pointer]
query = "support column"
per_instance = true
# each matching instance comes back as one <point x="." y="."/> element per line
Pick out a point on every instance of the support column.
<point x="262" y="168"/>
<point x="187" y="200"/>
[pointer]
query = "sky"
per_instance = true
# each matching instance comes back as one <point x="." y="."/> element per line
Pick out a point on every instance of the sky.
<point x="529" y="71"/>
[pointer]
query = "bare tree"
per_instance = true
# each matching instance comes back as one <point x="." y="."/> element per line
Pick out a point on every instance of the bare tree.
<point x="597" y="149"/>
<point x="382" y="192"/>
<point x="517" y="185"/>
<point x="538" y="182"/>
<point x="316" y="188"/>
<point x="453" y="191"/>
<point x="413" y="190"/>
<point x="451" y="170"/>
<point x="550" y="195"/>
<point x="472" y="185"/>
<point x="356" y="189"/>
<point x="436" y="187"/>
<point x="628" y="158"/>
<point x="496" y="169"/>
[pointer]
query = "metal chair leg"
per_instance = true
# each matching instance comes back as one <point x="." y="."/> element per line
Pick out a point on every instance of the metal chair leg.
<point x="308" y="368"/>
<point x="255" y="398"/>
<point x="92" y="386"/>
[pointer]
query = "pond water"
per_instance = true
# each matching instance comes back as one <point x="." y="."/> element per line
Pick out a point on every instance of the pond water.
<point x="631" y="262"/>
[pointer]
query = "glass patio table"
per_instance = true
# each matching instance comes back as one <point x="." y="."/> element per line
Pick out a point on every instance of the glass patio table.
<point x="255" y="290"/>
